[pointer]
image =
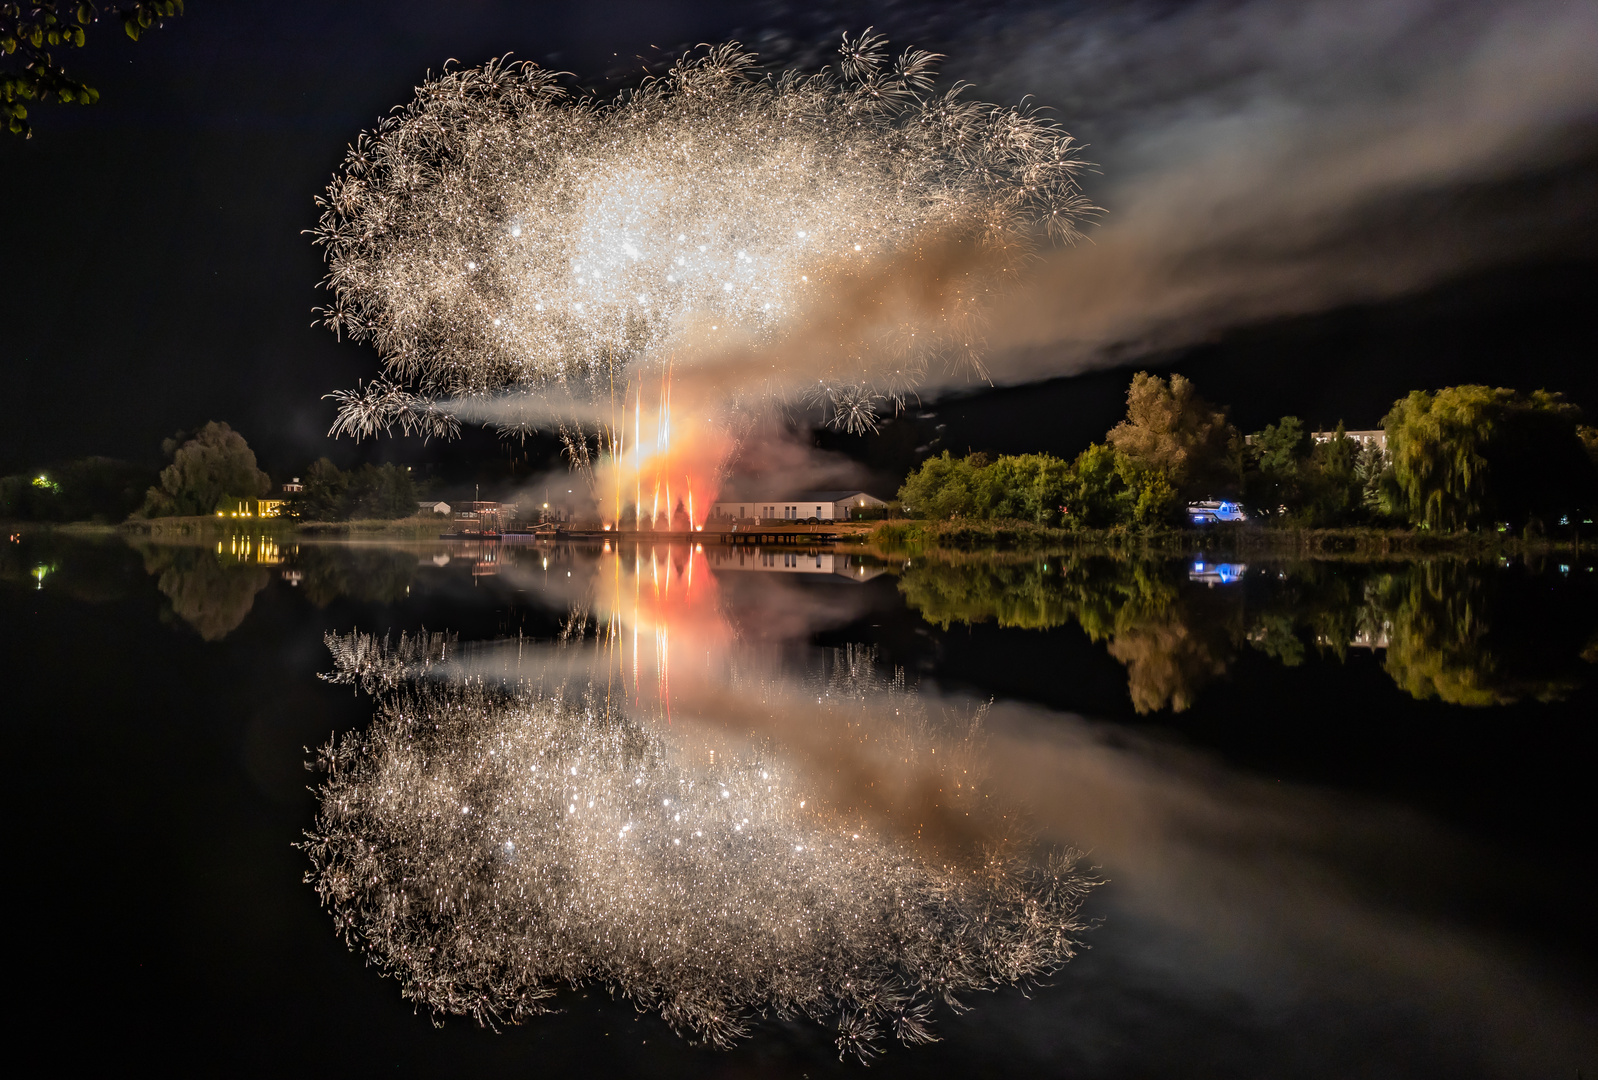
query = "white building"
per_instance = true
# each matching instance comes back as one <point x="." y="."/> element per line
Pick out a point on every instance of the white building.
<point x="434" y="508"/>
<point x="1376" y="438"/>
<point x="821" y="505"/>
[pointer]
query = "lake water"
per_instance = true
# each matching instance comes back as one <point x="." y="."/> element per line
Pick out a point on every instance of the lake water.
<point x="1335" y="816"/>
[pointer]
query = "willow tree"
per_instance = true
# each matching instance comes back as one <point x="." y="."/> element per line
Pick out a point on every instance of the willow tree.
<point x="1466" y="456"/>
<point x="214" y="467"/>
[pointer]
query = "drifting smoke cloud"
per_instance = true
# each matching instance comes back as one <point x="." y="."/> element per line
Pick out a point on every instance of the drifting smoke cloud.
<point x="1270" y="159"/>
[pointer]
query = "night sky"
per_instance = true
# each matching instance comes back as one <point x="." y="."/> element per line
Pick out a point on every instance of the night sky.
<point x="157" y="275"/>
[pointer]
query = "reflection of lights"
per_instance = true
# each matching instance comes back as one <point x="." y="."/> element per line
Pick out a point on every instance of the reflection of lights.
<point x="1216" y="573"/>
<point x="41" y="572"/>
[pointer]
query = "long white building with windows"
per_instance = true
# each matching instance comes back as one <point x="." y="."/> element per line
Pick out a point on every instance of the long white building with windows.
<point x="820" y="505"/>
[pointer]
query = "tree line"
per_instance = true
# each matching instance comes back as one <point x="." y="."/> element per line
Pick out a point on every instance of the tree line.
<point x="1464" y="457"/>
<point x="210" y="470"/>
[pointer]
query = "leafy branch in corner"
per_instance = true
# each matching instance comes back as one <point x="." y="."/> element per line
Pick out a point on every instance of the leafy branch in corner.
<point x="28" y="33"/>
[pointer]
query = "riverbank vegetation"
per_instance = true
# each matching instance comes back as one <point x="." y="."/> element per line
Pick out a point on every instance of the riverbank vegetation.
<point x="1462" y="460"/>
<point x="911" y="536"/>
<point x="209" y="472"/>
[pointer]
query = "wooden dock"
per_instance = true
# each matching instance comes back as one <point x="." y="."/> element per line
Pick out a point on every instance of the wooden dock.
<point x="764" y="535"/>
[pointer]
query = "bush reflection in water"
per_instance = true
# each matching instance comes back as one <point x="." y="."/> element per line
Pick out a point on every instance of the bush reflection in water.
<point x="1462" y="632"/>
<point x="1434" y="619"/>
<point x="209" y="591"/>
<point x="212" y="585"/>
<point x="488" y="839"/>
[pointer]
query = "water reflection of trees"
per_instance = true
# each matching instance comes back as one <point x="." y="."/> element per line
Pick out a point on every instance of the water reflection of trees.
<point x="1434" y="621"/>
<point x="371" y="575"/>
<point x="214" y="589"/>
<point x="1442" y="643"/>
<point x="486" y="842"/>
<point x="208" y="593"/>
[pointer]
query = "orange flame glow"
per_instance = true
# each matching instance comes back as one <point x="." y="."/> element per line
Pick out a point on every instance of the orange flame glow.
<point x="675" y="458"/>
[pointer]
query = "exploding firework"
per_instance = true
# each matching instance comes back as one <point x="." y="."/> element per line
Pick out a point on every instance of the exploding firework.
<point x="523" y="257"/>
<point x="487" y="843"/>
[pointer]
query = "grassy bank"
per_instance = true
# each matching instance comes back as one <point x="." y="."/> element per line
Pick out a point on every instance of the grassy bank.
<point x="409" y="528"/>
<point x="912" y="537"/>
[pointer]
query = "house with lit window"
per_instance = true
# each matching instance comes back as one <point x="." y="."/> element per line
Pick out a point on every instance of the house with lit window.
<point x="252" y="508"/>
<point x="805" y="506"/>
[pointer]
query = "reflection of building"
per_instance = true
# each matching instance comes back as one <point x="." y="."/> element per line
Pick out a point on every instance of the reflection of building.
<point x="251" y="549"/>
<point x="1213" y="574"/>
<point x="821" y="505"/>
<point x="777" y="560"/>
<point x="1371" y="637"/>
<point x="1376" y="438"/>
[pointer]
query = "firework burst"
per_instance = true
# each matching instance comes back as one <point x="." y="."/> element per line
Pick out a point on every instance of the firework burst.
<point x="499" y="236"/>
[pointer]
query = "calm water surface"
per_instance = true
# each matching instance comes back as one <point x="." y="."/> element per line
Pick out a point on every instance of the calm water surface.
<point x="1335" y="814"/>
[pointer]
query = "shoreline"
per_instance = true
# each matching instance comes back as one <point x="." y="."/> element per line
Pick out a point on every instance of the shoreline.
<point x="899" y="537"/>
<point x="913" y="536"/>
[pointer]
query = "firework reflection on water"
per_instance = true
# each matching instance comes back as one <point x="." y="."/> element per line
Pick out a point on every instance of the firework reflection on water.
<point x="489" y="839"/>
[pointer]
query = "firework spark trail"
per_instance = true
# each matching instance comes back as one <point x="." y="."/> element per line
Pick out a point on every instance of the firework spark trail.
<point x="487" y="843"/>
<point x="514" y="253"/>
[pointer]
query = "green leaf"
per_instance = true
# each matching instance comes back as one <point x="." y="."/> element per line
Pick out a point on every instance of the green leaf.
<point x="132" y="29"/>
<point x="85" y="15"/>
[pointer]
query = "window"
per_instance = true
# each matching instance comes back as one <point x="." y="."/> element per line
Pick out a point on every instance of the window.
<point x="818" y="511"/>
